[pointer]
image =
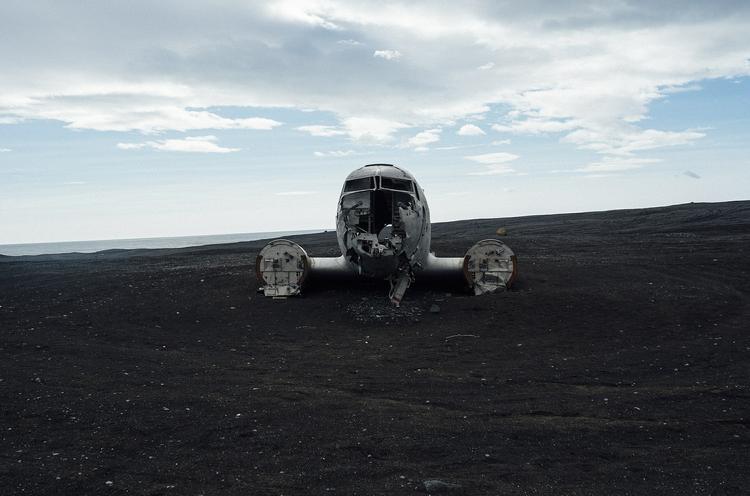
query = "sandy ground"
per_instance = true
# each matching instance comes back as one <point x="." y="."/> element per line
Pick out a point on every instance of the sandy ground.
<point x="619" y="364"/>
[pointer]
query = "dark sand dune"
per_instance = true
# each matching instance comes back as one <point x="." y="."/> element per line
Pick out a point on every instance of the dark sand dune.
<point x="619" y="364"/>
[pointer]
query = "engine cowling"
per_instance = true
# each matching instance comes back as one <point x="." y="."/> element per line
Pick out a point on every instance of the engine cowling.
<point x="490" y="265"/>
<point x="282" y="267"/>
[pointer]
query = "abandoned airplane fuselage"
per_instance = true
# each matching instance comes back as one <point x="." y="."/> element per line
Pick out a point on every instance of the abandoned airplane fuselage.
<point x="383" y="221"/>
<point x="383" y="231"/>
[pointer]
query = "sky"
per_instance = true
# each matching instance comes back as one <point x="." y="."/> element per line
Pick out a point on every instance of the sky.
<point x="147" y="119"/>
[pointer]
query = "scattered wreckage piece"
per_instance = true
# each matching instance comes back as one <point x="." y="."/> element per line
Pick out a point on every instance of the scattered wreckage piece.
<point x="383" y="230"/>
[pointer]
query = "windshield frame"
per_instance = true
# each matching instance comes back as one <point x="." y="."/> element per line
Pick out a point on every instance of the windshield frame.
<point x="399" y="180"/>
<point x="356" y="187"/>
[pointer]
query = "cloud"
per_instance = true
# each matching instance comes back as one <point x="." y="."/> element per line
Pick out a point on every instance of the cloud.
<point x="470" y="130"/>
<point x="626" y="140"/>
<point x="606" y="138"/>
<point x="591" y="77"/>
<point x="494" y="169"/>
<point x="371" y="129"/>
<point x="322" y="130"/>
<point x="133" y="146"/>
<point x="420" y="140"/>
<point x="191" y="144"/>
<point x="296" y="193"/>
<point x="387" y="54"/>
<point x="5" y="150"/>
<point x="335" y="153"/>
<point x="535" y="126"/>
<point x="492" y="158"/>
<point x="145" y="108"/>
<point x="692" y="174"/>
<point x="495" y="163"/>
<point x="500" y="142"/>
<point x="293" y="12"/>
<point x="366" y="129"/>
<point x="612" y="164"/>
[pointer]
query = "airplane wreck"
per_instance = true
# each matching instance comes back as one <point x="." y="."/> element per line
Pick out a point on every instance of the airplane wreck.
<point x="383" y="230"/>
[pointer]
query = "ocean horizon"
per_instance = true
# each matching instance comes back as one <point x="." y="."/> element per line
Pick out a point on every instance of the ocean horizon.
<point x="92" y="246"/>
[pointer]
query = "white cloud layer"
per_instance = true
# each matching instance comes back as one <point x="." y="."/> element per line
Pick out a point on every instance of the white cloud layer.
<point x="387" y="54"/>
<point x="420" y="140"/>
<point x="470" y="130"/>
<point x="627" y="140"/>
<point x="586" y="71"/>
<point x="372" y="129"/>
<point x="492" y="158"/>
<point x="616" y="164"/>
<point x="191" y="144"/>
<point x="494" y="169"/>
<point x="5" y="150"/>
<point x="495" y="163"/>
<point x="335" y="153"/>
<point x="322" y="130"/>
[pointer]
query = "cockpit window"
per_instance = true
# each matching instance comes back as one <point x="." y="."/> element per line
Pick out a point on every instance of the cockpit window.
<point x="360" y="184"/>
<point x="397" y="184"/>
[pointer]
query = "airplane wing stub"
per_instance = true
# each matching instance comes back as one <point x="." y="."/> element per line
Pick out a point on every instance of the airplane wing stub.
<point x="283" y="267"/>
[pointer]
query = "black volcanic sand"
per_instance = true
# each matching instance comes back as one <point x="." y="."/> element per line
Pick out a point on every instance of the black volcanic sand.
<point x="619" y="364"/>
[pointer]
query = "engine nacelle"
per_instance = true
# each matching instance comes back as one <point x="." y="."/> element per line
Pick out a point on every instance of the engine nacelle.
<point x="282" y="267"/>
<point x="490" y="265"/>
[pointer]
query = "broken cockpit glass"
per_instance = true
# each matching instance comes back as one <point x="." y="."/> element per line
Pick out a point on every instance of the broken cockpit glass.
<point x="377" y="207"/>
<point x="361" y="184"/>
<point x="393" y="183"/>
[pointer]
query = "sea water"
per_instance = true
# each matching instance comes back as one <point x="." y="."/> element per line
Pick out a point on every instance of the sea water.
<point x="129" y="244"/>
